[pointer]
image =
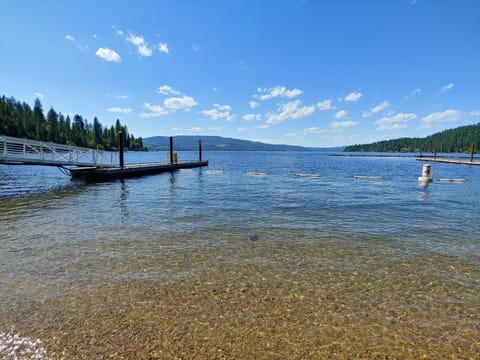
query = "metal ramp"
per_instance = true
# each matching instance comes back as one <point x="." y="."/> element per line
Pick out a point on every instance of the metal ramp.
<point x="16" y="151"/>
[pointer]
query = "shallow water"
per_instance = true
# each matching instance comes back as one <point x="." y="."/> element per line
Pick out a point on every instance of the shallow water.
<point x="221" y="264"/>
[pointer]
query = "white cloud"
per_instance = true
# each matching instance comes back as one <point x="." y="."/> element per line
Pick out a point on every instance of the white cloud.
<point x="312" y="130"/>
<point x="242" y="129"/>
<point x="340" y="114"/>
<point x="290" y="110"/>
<point x="253" y="104"/>
<point x="163" y="48"/>
<point x="447" y="87"/>
<point x="325" y="105"/>
<point x="413" y="93"/>
<point x="120" y="110"/>
<point x="166" y="90"/>
<point x="398" y="121"/>
<point x="444" y="116"/>
<point x="384" y="105"/>
<point x="119" y="96"/>
<point x="223" y="107"/>
<point x="220" y="112"/>
<point x="475" y="113"/>
<point x="178" y="103"/>
<point x="353" y="96"/>
<point x="307" y="131"/>
<point x="292" y="134"/>
<point x="155" y="111"/>
<point x="145" y="51"/>
<point x="192" y="129"/>
<point x="215" y="128"/>
<point x="72" y="39"/>
<point x="135" y="40"/>
<point x="39" y="95"/>
<point x="264" y="126"/>
<point x="117" y="30"/>
<point x="143" y="48"/>
<point x="196" y="48"/>
<point x="251" y="117"/>
<point x="108" y="55"/>
<point x="342" y="124"/>
<point x="277" y="91"/>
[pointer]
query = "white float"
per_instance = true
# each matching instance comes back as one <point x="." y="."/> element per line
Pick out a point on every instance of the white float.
<point x="367" y="177"/>
<point x="425" y="179"/>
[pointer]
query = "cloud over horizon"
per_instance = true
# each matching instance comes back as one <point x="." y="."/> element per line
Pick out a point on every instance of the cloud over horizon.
<point x="398" y="121"/>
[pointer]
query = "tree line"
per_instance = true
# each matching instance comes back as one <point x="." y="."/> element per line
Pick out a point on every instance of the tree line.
<point x="18" y="119"/>
<point x="458" y="140"/>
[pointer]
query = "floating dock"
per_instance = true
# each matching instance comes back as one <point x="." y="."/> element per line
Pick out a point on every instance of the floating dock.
<point x="88" y="163"/>
<point x="131" y="170"/>
<point x="449" y="161"/>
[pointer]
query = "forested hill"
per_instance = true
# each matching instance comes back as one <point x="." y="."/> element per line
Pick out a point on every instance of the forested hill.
<point x="18" y="119"/>
<point x="212" y="143"/>
<point x="458" y="140"/>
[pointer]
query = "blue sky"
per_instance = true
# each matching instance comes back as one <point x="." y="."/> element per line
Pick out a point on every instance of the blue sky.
<point x="302" y="72"/>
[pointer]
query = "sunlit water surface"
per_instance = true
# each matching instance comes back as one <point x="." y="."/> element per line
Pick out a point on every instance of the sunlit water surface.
<point x="242" y="259"/>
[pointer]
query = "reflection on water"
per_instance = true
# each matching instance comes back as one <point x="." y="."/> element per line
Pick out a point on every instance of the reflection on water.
<point x="225" y="265"/>
<point x="423" y="195"/>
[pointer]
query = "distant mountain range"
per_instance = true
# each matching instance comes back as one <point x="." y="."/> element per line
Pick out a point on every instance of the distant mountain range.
<point x="218" y="143"/>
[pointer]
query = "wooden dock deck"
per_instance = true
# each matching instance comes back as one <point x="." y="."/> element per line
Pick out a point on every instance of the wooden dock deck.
<point x="449" y="161"/>
<point x="131" y="170"/>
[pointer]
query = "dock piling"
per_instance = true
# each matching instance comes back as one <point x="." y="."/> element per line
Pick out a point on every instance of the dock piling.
<point x="121" y="144"/>
<point x="471" y="152"/>
<point x="171" y="149"/>
<point x="199" y="150"/>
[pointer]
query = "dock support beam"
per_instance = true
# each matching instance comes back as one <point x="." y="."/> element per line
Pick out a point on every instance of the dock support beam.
<point x="121" y="143"/>
<point x="171" y="150"/>
<point x="199" y="150"/>
<point x="471" y="152"/>
<point x="435" y="151"/>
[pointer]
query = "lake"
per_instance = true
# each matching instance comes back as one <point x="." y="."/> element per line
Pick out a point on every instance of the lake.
<point x="242" y="259"/>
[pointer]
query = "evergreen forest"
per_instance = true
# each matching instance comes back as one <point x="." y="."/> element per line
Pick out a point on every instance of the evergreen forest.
<point x="18" y="119"/>
<point x="458" y="140"/>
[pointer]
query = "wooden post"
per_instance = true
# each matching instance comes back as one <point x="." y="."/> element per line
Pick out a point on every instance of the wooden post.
<point x="199" y="150"/>
<point x="121" y="141"/>
<point x="171" y="149"/>
<point x="471" y="152"/>
<point x="434" y="151"/>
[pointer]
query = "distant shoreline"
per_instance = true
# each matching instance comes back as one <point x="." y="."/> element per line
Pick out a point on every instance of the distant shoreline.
<point x="376" y="155"/>
<point x="399" y="155"/>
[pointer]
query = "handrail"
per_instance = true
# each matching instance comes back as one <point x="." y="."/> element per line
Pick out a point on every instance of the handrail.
<point x="31" y="152"/>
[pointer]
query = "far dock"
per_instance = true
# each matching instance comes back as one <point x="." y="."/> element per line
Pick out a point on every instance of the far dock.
<point x="449" y="161"/>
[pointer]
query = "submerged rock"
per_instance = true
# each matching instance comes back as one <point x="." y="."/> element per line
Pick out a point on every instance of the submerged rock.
<point x="254" y="237"/>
